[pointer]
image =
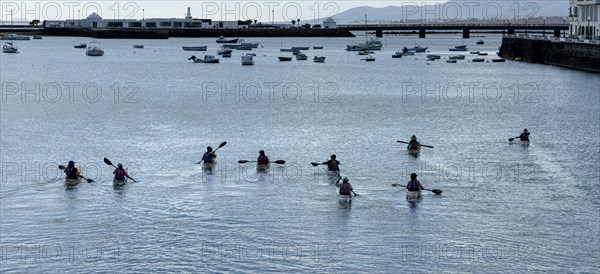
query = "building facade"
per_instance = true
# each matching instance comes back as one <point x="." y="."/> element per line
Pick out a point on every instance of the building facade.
<point x="584" y="16"/>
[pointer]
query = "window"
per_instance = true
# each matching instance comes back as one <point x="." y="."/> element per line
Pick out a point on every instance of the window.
<point x="114" y="25"/>
<point x="135" y="25"/>
<point x="178" y="24"/>
<point x="165" y="24"/>
<point x="151" y="24"/>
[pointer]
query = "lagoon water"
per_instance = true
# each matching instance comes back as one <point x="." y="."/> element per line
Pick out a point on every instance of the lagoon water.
<point x="505" y="207"/>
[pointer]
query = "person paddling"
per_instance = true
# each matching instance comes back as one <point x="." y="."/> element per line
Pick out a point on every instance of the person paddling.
<point x="209" y="156"/>
<point x="414" y="184"/>
<point x="71" y="171"/>
<point x="333" y="164"/>
<point x="121" y="173"/>
<point x="346" y="187"/>
<point x="262" y="158"/>
<point x="413" y="143"/>
<point x="524" y="136"/>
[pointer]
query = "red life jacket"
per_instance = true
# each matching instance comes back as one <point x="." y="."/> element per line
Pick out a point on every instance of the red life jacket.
<point x="120" y="174"/>
<point x="345" y="189"/>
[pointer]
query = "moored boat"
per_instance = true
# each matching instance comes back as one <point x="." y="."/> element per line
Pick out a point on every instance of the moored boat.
<point x="499" y="60"/>
<point x="9" y="48"/>
<point x="478" y="60"/>
<point x="80" y="46"/>
<point x="480" y="42"/>
<point x="370" y="59"/>
<point x="301" y="56"/>
<point x="222" y="40"/>
<point x="201" y="48"/>
<point x="457" y="57"/>
<point x="247" y="60"/>
<point x="208" y="59"/>
<point x="138" y="46"/>
<point x="285" y="58"/>
<point x="317" y="47"/>
<point x="319" y="59"/>
<point x="94" y="49"/>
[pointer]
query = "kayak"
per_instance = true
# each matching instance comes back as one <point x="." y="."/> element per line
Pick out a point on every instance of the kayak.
<point x="413" y="195"/>
<point x="413" y="150"/>
<point x="73" y="182"/>
<point x="119" y="183"/>
<point x="209" y="165"/>
<point x="524" y="143"/>
<point x="262" y="167"/>
<point x="343" y="198"/>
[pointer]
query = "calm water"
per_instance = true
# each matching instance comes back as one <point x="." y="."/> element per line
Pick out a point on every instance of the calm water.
<point x="505" y="207"/>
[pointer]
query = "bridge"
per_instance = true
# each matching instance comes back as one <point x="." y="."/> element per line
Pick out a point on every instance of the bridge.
<point x="466" y="29"/>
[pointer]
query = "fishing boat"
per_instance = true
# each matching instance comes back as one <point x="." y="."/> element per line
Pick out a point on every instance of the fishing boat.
<point x="285" y="58"/>
<point x="242" y="45"/>
<point x="222" y="40"/>
<point x="208" y="59"/>
<point x="320" y="59"/>
<point x="94" y="49"/>
<point x="370" y="59"/>
<point x="247" y="60"/>
<point x="119" y="183"/>
<point x="301" y="56"/>
<point x="343" y="198"/>
<point x="200" y="48"/>
<point x="413" y="195"/>
<point x="138" y="46"/>
<point x="9" y="48"/>
<point x="80" y="46"/>
<point x="459" y="48"/>
<point x="369" y="44"/>
<point x="434" y="56"/>
<point x="418" y="48"/>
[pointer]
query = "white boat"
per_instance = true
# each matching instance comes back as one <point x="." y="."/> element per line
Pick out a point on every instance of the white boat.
<point x="343" y="198"/>
<point x="94" y="49"/>
<point x="365" y="52"/>
<point x="413" y="195"/>
<point x="243" y="45"/>
<point x="418" y="48"/>
<point x="369" y="45"/>
<point x="222" y="40"/>
<point x="119" y="183"/>
<point x="320" y="59"/>
<point x="224" y="50"/>
<point x="14" y="36"/>
<point x="200" y="48"/>
<point x="301" y="56"/>
<point x="208" y="59"/>
<point x="247" y="60"/>
<point x="9" y="48"/>
<point x="434" y="56"/>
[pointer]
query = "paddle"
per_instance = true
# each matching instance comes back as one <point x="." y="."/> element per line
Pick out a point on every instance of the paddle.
<point x="315" y="164"/>
<point x="220" y="146"/>
<point x="435" y="191"/>
<point x="421" y="145"/>
<point x="279" y="162"/>
<point x="61" y="167"/>
<point x="108" y="162"/>
<point x="512" y="139"/>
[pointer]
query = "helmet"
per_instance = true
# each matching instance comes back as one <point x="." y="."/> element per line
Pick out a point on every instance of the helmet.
<point x="333" y="156"/>
<point x="413" y="175"/>
<point x="120" y="165"/>
<point x="345" y="180"/>
<point x="525" y="130"/>
<point x="209" y="148"/>
<point x="413" y="137"/>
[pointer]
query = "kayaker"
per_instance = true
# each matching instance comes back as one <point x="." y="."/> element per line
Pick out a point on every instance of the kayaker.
<point x="413" y="143"/>
<point x="120" y="173"/>
<point x="414" y="184"/>
<point x="524" y="136"/>
<point x="262" y="158"/>
<point x="333" y="164"/>
<point x="209" y="156"/>
<point x="71" y="171"/>
<point x="345" y="187"/>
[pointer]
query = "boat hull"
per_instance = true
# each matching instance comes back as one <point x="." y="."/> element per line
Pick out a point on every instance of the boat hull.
<point x="72" y="182"/>
<point x="209" y="165"/>
<point x="119" y="183"/>
<point x="413" y="195"/>
<point x="343" y="198"/>
<point x="263" y="167"/>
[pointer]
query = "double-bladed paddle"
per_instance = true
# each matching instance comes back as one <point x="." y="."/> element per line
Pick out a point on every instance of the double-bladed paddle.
<point x="61" y="167"/>
<point x="279" y="162"/>
<point x="435" y="191"/>
<point x="512" y="139"/>
<point x="220" y="146"/>
<point x="108" y="162"/>
<point x="421" y="145"/>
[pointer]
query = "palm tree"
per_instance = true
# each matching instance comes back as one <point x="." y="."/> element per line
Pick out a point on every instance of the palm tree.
<point x="293" y="23"/>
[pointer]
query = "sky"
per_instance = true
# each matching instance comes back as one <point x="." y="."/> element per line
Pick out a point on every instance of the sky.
<point x="263" y="11"/>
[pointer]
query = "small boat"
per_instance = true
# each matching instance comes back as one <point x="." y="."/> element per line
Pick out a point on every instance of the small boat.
<point x="243" y="45"/>
<point x="247" y="60"/>
<point x="474" y="52"/>
<point x="413" y="151"/>
<point x="418" y="48"/>
<point x="94" y="49"/>
<point x="222" y="40"/>
<point x="285" y="58"/>
<point x="413" y="195"/>
<point x="138" y="46"/>
<point x="208" y="59"/>
<point x="9" y="48"/>
<point x="317" y="47"/>
<point x="301" y="48"/>
<point x="482" y="54"/>
<point x="262" y="168"/>
<point x="226" y="55"/>
<point x="451" y="61"/>
<point x="289" y="50"/>
<point x="457" y="57"/>
<point x="301" y="56"/>
<point x="119" y="183"/>
<point x="206" y="165"/>
<point x="434" y="56"/>
<point x="398" y="54"/>
<point x="224" y="50"/>
<point x="320" y="59"/>
<point x="37" y="36"/>
<point x="370" y="59"/>
<point x="80" y="46"/>
<point x="343" y="198"/>
<point x="14" y="36"/>
<point x="480" y="42"/>
<point x="518" y="59"/>
<point x="458" y="49"/>
<point x="365" y="52"/>
<point x="499" y="60"/>
<point x="478" y="60"/>
<point x="201" y="48"/>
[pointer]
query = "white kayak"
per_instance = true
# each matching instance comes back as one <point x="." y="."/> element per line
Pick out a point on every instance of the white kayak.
<point x="119" y="183"/>
<point x="413" y="195"/>
<point x="343" y="198"/>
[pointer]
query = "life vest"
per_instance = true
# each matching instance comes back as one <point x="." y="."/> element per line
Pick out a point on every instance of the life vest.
<point x="72" y="172"/>
<point x="333" y="165"/>
<point x="207" y="158"/>
<point x="524" y="136"/>
<point x="263" y="160"/>
<point x="413" y="144"/>
<point x="120" y="174"/>
<point x="345" y="189"/>
<point x="413" y="186"/>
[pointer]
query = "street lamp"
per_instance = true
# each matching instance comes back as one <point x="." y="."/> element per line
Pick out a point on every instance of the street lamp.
<point x="143" y="14"/>
<point x="544" y="27"/>
<point x="589" y="29"/>
<point x="525" y="25"/>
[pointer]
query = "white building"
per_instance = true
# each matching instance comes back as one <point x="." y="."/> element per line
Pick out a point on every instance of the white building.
<point x="584" y="16"/>
<point x="329" y="23"/>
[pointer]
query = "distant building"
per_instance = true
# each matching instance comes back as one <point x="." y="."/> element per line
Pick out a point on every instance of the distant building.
<point x="584" y="16"/>
<point x="329" y="23"/>
<point x="96" y="21"/>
